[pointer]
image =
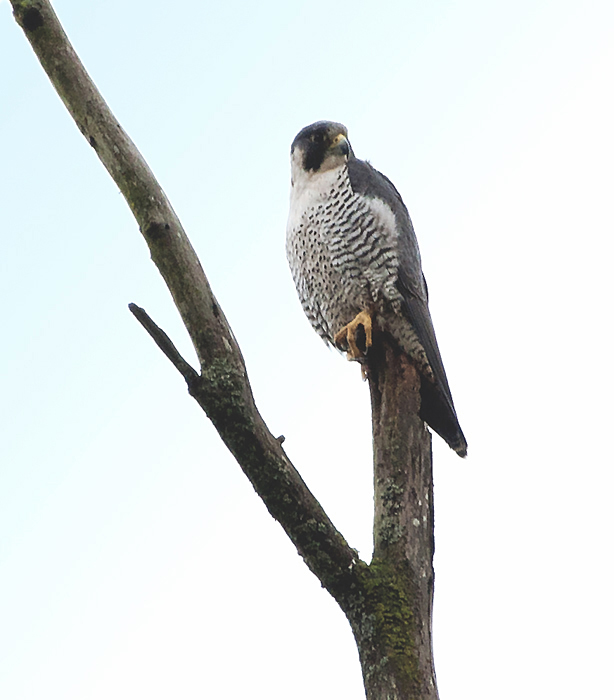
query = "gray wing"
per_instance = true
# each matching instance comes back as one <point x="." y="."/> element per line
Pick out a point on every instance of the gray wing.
<point x="437" y="405"/>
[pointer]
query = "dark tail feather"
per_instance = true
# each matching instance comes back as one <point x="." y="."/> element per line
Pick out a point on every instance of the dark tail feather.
<point x="437" y="412"/>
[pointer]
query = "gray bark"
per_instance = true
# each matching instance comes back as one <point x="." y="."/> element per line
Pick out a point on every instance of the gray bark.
<point x="403" y="529"/>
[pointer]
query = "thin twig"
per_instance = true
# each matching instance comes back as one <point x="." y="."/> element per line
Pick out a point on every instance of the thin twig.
<point x="165" y="344"/>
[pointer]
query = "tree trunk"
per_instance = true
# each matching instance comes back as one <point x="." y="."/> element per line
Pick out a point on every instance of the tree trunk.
<point x="392" y="623"/>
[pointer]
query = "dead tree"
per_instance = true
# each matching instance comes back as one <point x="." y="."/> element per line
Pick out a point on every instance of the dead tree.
<point x="387" y="602"/>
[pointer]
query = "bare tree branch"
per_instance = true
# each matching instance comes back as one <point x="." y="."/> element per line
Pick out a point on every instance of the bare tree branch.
<point x="222" y="388"/>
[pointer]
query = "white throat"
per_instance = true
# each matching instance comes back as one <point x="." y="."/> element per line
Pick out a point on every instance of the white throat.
<point x="308" y="187"/>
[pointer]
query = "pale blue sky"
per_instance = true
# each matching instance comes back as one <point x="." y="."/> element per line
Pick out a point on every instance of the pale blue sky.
<point x="135" y="559"/>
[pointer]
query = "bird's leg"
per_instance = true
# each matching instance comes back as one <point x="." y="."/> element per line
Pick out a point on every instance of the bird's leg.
<point x="347" y="335"/>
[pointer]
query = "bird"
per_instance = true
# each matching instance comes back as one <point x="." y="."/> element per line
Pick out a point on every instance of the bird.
<point x="356" y="265"/>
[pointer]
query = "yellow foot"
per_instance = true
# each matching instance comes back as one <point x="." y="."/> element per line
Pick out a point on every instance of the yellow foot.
<point x="347" y="335"/>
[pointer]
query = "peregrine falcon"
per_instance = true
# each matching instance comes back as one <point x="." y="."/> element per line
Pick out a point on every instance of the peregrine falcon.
<point x="355" y="261"/>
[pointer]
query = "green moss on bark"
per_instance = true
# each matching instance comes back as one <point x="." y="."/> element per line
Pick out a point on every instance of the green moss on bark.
<point x="384" y="624"/>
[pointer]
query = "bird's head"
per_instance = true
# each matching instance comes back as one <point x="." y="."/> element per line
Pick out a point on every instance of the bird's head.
<point x="320" y="147"/>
